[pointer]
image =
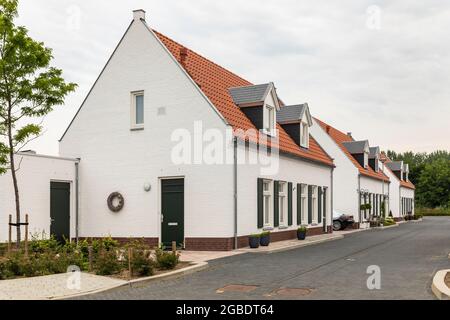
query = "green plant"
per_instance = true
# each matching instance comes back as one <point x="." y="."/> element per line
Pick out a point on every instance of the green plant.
<point x="265" y="234"/>
<point x="166" y="260"/>
<point x="255" y="235"/>
<point x="40" y="243"/>
<point x="142" y="263"/>
<point x="106" y="263"/>
<point x="302" y="229"/>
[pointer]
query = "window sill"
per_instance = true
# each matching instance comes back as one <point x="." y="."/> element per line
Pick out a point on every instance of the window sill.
<point x="283" y="227"/>
<point x="268" y="228"/>
<point x="137" y="129"/>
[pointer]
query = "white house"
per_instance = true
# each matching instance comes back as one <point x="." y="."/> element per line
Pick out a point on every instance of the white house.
<point x="402" y="190"/>
<point x="47" y="189"/>
<point x="358" y="178"/>
<point x="188" y="151"/>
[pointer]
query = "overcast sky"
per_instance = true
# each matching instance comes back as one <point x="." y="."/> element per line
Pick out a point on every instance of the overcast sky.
<point x="380" y="69"/>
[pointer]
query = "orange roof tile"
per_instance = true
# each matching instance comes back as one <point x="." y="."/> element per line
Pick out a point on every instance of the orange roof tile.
<point x="215" y="82"/>
<point x="407" y="184"/>
<point x="339" y="137"/>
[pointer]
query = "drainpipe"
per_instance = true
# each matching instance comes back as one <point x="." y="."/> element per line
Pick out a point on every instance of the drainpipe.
<point x="77" y="172"/>
<point x="359" y="200"/>
<point x="331" y="200"/>
<point x="235" y="194"/>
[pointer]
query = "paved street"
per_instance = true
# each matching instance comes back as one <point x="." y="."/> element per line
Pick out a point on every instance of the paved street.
<point x="408" y="257"/>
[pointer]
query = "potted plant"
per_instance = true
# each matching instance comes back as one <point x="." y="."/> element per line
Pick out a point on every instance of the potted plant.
<point x="253" y="241"/>
<point x="265" y="239"/>
<point x="301" y="233"/>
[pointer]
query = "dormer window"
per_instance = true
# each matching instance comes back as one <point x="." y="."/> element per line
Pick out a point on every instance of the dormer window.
<point x="269" y="119"/>
<point x="304" y="135"/>
<point x="366" y="160"/>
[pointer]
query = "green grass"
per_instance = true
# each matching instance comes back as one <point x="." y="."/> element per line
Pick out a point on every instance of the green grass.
<point x="436" y="212"/>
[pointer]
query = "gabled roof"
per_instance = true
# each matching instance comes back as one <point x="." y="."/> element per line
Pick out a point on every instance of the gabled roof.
<point x="250" y="94"/>
<point x="356" y="147"/>
<point x="373" y="152"/>
<point x="389" y="163"/>
<point x="294" y="113"/>
<point x="340" y="138"/>
<point x="215" y="82"/>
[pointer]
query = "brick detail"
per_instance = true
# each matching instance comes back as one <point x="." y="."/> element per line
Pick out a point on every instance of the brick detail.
<point x="227" y="244"/>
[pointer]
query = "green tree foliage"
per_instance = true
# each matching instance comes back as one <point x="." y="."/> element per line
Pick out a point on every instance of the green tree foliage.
<point x="430" y="172"/>
<point x="29" y="89"/>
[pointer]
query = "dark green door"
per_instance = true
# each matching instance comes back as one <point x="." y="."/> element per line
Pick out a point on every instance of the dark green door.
<point x="172" y="210"/>
<point x="60" y="210"/>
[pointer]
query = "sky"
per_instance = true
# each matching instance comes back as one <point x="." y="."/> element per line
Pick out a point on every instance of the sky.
<point x="378" y="69"/>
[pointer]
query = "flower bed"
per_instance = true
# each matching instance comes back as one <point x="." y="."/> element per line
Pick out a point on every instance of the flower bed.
<point x="102" y="257"/>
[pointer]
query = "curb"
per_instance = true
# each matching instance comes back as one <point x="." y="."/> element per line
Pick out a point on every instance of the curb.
<point x="299" y="245"/>
<point x="439" y="288"/>
<point x="383" y="228"/>
<point x="177" y="273"/>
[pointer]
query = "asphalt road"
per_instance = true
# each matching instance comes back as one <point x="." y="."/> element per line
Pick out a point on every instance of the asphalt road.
<point x="408" y="257"/>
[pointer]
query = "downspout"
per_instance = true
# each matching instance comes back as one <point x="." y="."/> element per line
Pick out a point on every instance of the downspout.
<point x="359" y="200"/>
<point x="77" y="173"/>
<point x="331" y="201"/>
<point x="235" y="194"/>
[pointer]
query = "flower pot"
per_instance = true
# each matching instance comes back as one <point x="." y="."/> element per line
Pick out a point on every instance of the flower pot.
<point x="253" y="242"/>
<point x="264" y="240"/>
<point x="301" y="235"/>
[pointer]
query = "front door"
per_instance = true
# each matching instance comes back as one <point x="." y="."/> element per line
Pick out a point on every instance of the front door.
<point x="172" y="212"/>
<point x="60" y="210"/>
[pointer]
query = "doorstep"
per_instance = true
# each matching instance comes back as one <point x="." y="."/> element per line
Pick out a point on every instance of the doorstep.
<point x="280" y="246"/>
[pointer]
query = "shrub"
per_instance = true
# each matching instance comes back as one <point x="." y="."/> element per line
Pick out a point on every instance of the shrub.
<point x="106" y="263"/>
<point x="166" y="260"/>
<point x="302" y="229"/>
<point x="265" y="234"/>
<point x="40" y="243"/>
<point x="255" y="235"/>
<point x="142" y="263"/>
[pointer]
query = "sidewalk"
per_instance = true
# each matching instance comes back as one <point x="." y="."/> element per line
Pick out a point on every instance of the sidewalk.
<point x="292" y="244"/>
<point x="54" y="286"/>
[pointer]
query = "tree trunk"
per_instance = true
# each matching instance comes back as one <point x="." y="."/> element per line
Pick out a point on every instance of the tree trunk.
<point x="16" y="187"/>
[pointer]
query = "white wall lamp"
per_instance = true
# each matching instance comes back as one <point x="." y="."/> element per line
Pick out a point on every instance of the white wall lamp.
<point x="147" y="187"/>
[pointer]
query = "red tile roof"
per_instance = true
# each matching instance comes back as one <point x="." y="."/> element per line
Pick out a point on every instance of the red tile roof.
<point x="215" y="82"/>
<point x="339" y="137"/>
<point x="407" y="184"/>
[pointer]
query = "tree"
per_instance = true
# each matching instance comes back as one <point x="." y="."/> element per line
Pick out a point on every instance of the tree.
<point x="434" y="184"/>
<point x="29" y="89"/>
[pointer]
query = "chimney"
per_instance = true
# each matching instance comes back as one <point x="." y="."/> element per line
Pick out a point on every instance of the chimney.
<point x="350" y="134"/>
<point x="139" y="14"/>
<point x="183" y="55"/>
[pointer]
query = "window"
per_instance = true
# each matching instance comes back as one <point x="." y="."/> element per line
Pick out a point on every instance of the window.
<point x="314" y="204"/>
<point x="282" y="202"/>
<point x="267" y="194"/>
<point x="269" y="120"/>
<point x="304" y="208"/>
<point x="137" y="110"/>
<point x="366" y="159"/>
<point x="304" y="135"/>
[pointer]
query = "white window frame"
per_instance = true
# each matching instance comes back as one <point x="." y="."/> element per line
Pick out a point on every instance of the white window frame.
<point x="134" y="125"/>
<point x="282" y="203"/>
<point x="269" y="194"/>
<point x="314" y="205"/>
<point x="304" y="203"/>
<point x="304" y="135"/>
<point x="366" y="160"/>
<point x="269" y="128"/>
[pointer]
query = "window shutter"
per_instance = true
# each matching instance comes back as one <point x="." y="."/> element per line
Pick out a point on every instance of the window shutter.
<point x="299" y="204"/>
<point x="260" y="203"/>
<point x="309" y="204"/>
<point x="319" y="205"/>
<point x="276" y="207"/>
<point x="276" y="204"/>
<point x="290" y="203"/>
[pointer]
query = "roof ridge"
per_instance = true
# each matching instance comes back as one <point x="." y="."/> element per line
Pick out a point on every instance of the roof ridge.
<point x="203" y="57"/>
